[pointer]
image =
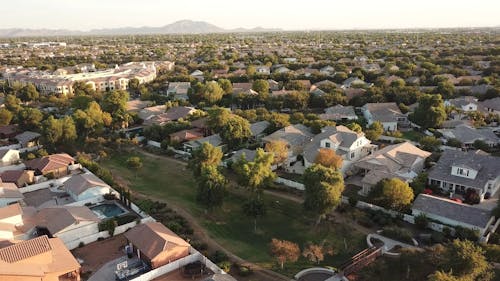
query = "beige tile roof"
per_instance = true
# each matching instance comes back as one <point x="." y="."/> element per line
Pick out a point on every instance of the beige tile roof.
<point x="80" y="183"/>
<point x="10" y="211"/>
<point x="58" y="218"/>
<point x="51" y="162"/>
<point x="26" y="249"/>
<point x="152" y="238"/>
<point x="36" y="257"/>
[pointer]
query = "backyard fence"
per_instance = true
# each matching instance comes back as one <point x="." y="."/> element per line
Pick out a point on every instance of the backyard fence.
<point x="290" y="183"/>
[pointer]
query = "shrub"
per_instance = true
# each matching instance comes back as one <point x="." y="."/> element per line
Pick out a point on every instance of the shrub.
<point x="466" y="233"/>
<point x="397" y="233"/>
<point x="109" y="225"/>
<point x="198" y="245"/>
<point x="492" y="252"/>
<point x="353" y="201"/>
<point x="225" y="265"/>
<point x="421" y="221"/>
<point x="219" y="256"/>
<point x="100" y="238"/>
<point x="121" y="220"/>
<point x="81" y="244"/>
<point x="437" y="237"/>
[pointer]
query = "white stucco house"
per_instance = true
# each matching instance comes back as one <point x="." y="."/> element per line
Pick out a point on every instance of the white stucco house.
<point x="466" y="104"/>
<point x="85" y="186"/>
<point x="69" y="223"/>
<point x="9" y="157"/>
<point x="452" y="213"/>
<point x="351" y="146"/>
<point x="388" y="114"/>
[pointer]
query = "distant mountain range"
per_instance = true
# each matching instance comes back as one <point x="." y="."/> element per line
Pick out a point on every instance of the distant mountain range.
<point x="178" y="27"/>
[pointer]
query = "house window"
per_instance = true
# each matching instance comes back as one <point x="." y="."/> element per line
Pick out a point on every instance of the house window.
<point x="327" y="144"/>
<point x="352" y="155"/>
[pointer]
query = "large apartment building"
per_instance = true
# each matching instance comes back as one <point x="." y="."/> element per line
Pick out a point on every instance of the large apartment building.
<point x="60" y="82"/>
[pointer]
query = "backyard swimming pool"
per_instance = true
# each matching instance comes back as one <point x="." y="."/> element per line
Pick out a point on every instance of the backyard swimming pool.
<point x="108" y="210"/>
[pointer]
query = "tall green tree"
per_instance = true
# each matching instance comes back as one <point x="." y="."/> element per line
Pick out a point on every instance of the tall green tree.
<point x="226" y="85"/>
<point x="257" y="173"/>
<point x="430" y="112"/>
<point x="211" y="187"/>
<point x="5" y="116"/>
<point x="207" y="155"/>
<point x="29" y="118"/>
<point x="392" y="193"/>
<point x="29" y="93"/>
<point x="235" y="131"/>
<point x="254" y="208"/>
<point x="374" y="131"/>
<point x="211" y="92"/>
<point x="323" y="189"/>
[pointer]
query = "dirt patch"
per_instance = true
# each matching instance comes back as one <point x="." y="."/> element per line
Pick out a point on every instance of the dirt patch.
<point x="95" y="255"/>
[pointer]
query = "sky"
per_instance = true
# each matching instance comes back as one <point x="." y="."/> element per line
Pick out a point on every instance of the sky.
<point x="288" y="15"/>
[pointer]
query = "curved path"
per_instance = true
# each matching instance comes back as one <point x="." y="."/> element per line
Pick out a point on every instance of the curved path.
<point x="201" y="233"/>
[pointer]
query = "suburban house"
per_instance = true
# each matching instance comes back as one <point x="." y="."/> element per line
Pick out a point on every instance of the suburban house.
<point x="9" y="157"/>
<point x="85" y="186"/>
<point x="214" y="140"/>
<point x="467" y="103"/>
<point x="241" y="88"/>
<point x="55" y="165"/>
<point x="9" y="194"/>
<point x="179" y="90"/>
<point x="258" y="130"/>
<point x="11" y="216"/>
<point x="66" y="222"/>
<point x="354" y="82"/>
<point x="351" y="146"/>
<point x="296" y="136"/>
<point x="467" y="135"/>
<point x="262" y="69"/>
<point x="452" y="213"/>
<point x="339" y="113"/>
<point x="491" y="105"/>
<point x="404" y="161"/>
<point x="28" y="139"/>
<point x="186" y="135"/>
<point x="386" y="113"/>
<point x="458" y="171"/>
<point x="249" y="155"/>
<point x="8" y="131"/>
<point x="148" y="112"/>
<point x="38" y="259"/>
<point x="20" y="178"/>
<point x="156" y="245"/>
<point x="137" y="105"/>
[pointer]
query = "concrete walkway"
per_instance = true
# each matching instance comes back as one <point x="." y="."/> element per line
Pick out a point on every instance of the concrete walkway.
<point x="388" y="242"/>
<point x="107" y="271"/>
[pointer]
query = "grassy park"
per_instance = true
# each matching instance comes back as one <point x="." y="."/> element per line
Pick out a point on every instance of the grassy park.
<point x="170" y="181"/>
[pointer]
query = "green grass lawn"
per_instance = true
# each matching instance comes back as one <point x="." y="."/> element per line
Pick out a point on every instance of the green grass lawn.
<point x="412" y="135"/>
<point x="170" y="181"/>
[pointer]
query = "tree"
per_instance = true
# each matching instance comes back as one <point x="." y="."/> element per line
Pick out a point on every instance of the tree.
<point x="226" y="85"/>
<point x="92" y="119"/>
<point x="374" y="131"/>
<point x="207" y="154"/>
<point x="28" y="93"/>
<point x="466" y="260"/>
<point x="261" y="86"/>
<point x="278" y="121"/>
<point x="68" y="130"/>
<point x="392" y="193"/>
<point x="134" y="163"/>
<point x="251" y="70"/>
<point x="211" y="187"/>
<point x="328" y="158"/>
<point x="430" y="112"/>
<point x="211" y="92"/>
<point x="133" y="85"/>
<point x="419" y="183"/>
<point x="255" y="174"/>
<point x="430" y="143"/>
<point x="52" y="131"/>
<point x="284" y="251"/>
<point x="29" y="118"/>
<point x="316" y="252"/>
<point x="279" y="149"/>
<point x="235" y="131"/>
<point x="254" y="208"/>
<point x="115" y="101"/>
<point x="5" y="116"/>
<point x="323" y="189"/>
<point x="355" y="127"/>
<point x="12" y="103"/>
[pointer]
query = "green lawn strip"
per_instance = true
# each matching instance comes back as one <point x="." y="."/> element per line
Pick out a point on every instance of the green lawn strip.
<point x="413" y="135"/>
<point x="168" y="180"/>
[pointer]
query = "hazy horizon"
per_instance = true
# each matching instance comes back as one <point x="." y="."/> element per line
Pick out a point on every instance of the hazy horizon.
<point x="288" y="15"/>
